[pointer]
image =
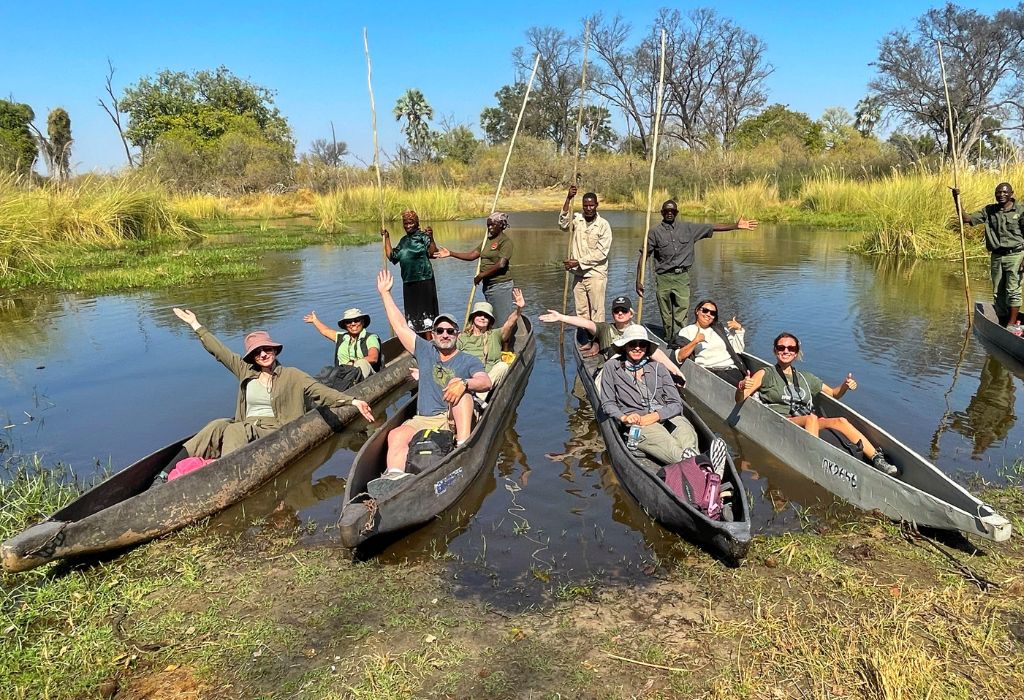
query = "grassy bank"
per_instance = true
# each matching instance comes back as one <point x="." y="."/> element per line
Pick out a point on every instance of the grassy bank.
<point x="854" y="612"/>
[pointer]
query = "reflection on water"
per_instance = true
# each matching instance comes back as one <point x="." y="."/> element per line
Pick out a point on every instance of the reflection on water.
<point x="97" y="379"/>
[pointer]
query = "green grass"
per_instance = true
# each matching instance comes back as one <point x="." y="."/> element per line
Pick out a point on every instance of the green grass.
<point x="332" y="210"/>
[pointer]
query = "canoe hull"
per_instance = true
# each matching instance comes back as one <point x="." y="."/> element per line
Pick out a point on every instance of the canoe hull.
<point x="921" y="493"/>
<point x="424" y="496"/>
<point x="987" y="327"/>
<point x="731" y="540"/>
<point x="123" y="511"/>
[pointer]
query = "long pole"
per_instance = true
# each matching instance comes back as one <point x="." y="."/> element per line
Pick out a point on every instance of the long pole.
<point x="501" y="181"/>
<point x="376" y="150"/>
<point x="650" y="182"/>
<point x="956" y="185"/>
<point x="576" y="164"/>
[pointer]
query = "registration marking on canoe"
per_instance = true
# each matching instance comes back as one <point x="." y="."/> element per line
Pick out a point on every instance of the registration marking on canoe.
<point x="833" y="469"/>
<point x="442" y="485"/>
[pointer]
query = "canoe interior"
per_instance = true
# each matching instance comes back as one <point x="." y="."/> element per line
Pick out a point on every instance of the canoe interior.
<point x="987" y="326"/>
<point x="638" y="474"/>
<point x="137" y="477"/>
<point x="471" y="457"/>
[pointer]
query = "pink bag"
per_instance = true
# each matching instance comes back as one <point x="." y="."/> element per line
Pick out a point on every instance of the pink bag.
<point x="694" y="480"/>
<point x="189" y="464"/>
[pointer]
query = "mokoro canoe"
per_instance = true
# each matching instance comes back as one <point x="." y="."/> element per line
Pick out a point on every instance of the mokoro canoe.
<point x="921" y="494"/>
<point x="423" y="496"/>
<point x="123" y="510"/>
<point x="639" y="476"/>
<point x="987" y="327"/>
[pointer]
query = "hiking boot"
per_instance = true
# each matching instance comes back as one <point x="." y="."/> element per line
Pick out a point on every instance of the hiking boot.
<point x="883" y="465"/>
<point x="727" y="514"/>
<point x="718" y="452"/>
<point x="386" y="484"/>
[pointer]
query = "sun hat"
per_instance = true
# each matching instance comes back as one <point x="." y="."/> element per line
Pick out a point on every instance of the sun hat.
<point x="445" y="317"/>
<point x="256" y="340"/>
<point x="632" y="334"/>
<point x="353" y="314"/>
<point x="483" y="307"/>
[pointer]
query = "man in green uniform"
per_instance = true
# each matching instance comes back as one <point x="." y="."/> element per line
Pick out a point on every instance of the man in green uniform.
<point x="672" y="244"/>
<point x="1005" y="242"/>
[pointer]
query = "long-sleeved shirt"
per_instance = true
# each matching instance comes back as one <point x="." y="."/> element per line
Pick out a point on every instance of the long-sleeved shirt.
<point x="622" y="394"/>
<point x="591" y="243"/>
<point x="1002" y="228"/>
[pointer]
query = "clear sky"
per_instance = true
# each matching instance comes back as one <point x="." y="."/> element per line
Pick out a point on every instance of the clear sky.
<point x="456" y="52"/>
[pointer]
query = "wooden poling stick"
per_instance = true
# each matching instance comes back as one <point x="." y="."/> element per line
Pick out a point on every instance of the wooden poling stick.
<point x="956" y="184"/>
<point x="376" y="150"/>
<point x="501" y="181"/>
<point x="575" y="169"/>
<point x="650" y="182"/>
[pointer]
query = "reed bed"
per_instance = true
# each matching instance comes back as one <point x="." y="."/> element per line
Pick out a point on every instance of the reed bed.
<point x="364" y="204"/>
<point x="92" y="211"/>
<point x="748" y="199"/>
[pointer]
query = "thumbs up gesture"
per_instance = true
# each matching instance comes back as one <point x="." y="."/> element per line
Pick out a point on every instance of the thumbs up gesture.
<point x="850" y="382"/>
<point x="747" y="383"/>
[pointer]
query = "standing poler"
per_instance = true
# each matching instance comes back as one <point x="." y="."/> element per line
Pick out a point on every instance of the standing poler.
<point x="495" y="265"/>
<point x="588" y="259"/>
<point x="1004" y="240"/>
<point x="672" y="244"/>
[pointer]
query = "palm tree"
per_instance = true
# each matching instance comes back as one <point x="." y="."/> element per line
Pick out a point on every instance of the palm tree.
<point x="414" y="108"/>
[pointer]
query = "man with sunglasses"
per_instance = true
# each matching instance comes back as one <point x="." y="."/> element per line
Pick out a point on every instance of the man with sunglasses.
<point x="672" y="244"/>
<point x="1005" y="242"/>
<point x="446" y="378"/>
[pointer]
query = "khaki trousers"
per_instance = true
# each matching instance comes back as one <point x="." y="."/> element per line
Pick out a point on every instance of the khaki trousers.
<point x="588" y="293"/>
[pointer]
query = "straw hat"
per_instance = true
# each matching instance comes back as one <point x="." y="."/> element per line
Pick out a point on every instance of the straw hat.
<point x="352" y="315"/>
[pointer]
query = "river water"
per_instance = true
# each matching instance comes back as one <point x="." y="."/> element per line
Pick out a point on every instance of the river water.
<point x="100" y="381"/>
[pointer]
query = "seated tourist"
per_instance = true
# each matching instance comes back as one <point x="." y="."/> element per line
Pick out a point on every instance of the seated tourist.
<point x="446" y="378"/>
<point x="607" y="333"/>
<point x="484" y="342"/>
<point x="635" y="390"/>
<point x="791" y="393"/>
<point x="705" y="342"/>
<point x="356" y="350"/>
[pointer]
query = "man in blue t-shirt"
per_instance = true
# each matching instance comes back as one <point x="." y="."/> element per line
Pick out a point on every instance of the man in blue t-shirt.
<point x="446" y="376"/>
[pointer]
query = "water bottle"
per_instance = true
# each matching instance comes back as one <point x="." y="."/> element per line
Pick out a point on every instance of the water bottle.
<point x="634" y="437"/>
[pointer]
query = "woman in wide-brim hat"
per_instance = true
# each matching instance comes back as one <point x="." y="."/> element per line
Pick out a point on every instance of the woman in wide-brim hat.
<point x="355" y="347"/>
<point x="482" y="340"/>
<point x="269" y="394"/>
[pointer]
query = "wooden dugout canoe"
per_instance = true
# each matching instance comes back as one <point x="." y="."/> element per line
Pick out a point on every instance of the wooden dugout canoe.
<point x="422" y="497"/>
<point x="123" y="510"/>
<point x="638" y="475"/>
<point x="987" y="327"/>
<point x="921" y="494"/>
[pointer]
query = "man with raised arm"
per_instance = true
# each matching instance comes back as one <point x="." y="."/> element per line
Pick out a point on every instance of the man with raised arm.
<point x="446" y="376"/>
<point x="1005" y="242"/>
<point x="588" y="259"/>
<point x="672" y="244"/>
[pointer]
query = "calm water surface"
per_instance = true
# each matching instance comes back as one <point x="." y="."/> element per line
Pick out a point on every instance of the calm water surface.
<point x="97" y="381"/>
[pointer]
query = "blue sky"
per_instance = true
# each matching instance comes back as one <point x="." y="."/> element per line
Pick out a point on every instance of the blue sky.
<point x="456" y="52"/>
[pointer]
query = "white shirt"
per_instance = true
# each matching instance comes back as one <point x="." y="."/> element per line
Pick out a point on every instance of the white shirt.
<point x="711" y="352"/>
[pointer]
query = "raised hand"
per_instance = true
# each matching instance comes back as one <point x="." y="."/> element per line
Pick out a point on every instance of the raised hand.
<point x="517" y="297"/>
<point x="572" y="192"/>
<point x="850" y="382"/>
<point x="551" y="316"/>
<point x="733" y="325"/>
<point x="187" y="316"/>
<point x="746" y="224"/>
<point x="385" y="281"/>
<point x="310" y="317"/>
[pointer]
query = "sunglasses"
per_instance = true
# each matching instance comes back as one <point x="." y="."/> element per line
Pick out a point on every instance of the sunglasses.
<point x="786" y="348"/>
<point x="636" y="344"/>
<point x="620" y="310"/>
<point x="352" y="320"/>
<point x="265" y="351"/>
<point x="446" y="331"/>
<point x="709" y="312"/>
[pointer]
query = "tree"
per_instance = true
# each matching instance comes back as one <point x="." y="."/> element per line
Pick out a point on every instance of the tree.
<point x="499" y="122"/>
<point x="598" y="135"/>
<point x="837" y="127"/>
<point x="207" y="103"/>
<point x="56" y="148"/>
<point x="455" y="142"/>
<point x="555" y="95"/>
<point x="113" y="111"/>
<point x="326" y="152"/>
<point x="984" y="58"/>
<point x="776" y="123"/>
<point x="414" y="108"/>
<point x="867" y="115"/>
<point x="17" y="147"/>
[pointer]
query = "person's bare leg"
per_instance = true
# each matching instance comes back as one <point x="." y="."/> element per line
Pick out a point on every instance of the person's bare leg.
<point x="462" y="412"/>
<point x="398" y="447"/>
<point x="808" y="423"/>
<point x="851" y="433"/>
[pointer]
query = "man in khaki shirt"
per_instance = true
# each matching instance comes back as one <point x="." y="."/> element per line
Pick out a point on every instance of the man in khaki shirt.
<point x="588" y="257"/>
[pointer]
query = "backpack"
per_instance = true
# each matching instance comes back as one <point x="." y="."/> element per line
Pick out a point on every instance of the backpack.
<point x="339" y="377"/>
<point x="363" y="348"/>
<point x="427" y="448"/>
<point x="694" y="480"/>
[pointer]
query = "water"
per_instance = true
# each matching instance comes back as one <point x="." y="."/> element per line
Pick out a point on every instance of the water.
<point x="98" y="381"/>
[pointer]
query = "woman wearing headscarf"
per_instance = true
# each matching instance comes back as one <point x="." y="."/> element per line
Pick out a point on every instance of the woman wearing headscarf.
<point x="495" y="256"/>
<point x="413" y="254"/>
<point x="269" y="394"/>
